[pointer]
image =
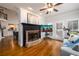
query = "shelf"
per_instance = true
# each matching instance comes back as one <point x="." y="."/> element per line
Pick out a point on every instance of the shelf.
<point x="3" y="20"/>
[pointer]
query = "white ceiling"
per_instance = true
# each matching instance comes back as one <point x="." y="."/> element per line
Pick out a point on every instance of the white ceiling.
<point x="65" y="7"/>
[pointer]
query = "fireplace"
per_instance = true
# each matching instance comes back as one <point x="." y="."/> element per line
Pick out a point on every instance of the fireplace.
<point x="31" y="34"/>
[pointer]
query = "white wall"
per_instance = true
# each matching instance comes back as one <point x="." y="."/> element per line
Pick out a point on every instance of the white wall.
<point x="23" y="16"/>
<point x="62" y="18"/>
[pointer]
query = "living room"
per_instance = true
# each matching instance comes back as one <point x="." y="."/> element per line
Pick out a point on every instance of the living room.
<point x="32" y="27"/>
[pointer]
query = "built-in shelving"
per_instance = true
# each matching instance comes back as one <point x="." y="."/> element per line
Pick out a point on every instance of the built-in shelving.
<point x="3" y="16"/>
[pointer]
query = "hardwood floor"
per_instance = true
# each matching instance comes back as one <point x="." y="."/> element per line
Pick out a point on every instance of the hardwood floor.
<point x="48" y="47"/>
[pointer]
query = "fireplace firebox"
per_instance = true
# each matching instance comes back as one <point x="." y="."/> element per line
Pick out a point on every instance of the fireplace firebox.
<point x="32" y="35"/>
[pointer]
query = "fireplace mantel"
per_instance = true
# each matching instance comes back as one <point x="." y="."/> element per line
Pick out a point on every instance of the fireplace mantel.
<point x="29" y="31"/>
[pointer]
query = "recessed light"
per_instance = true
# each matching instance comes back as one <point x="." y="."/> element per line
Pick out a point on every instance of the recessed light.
<point x="30" y="8"/>
<point x="40" y="13"/>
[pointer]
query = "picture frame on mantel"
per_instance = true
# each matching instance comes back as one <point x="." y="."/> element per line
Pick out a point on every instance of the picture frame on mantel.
<point x="32" y="19"/>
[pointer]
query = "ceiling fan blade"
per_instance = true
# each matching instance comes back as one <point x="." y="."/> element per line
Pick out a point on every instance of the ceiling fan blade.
<point x="43" y="9"/>
<point x="55" y="10"/>
<point x="58" y="4"/>
<point x="48" y="5"/>
<point x="3" y="8"/>
<point x="47" y="12"/>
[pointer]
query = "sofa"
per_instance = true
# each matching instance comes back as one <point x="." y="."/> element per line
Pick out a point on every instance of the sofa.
<point x="67" y="51"/>
<point x="69" y="48"/>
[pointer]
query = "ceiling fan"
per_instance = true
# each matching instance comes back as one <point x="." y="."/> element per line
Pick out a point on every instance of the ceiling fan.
<point x="50" y="7"/>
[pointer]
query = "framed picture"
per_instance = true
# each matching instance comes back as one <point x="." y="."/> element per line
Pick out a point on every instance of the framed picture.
<point x="59" y="25"/>
<point x="70" y="25"/>
<point x="73" y="25"/>
<point x="32" y="19"/>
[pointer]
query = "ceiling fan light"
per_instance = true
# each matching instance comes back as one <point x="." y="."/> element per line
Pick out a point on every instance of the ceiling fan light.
<point x="50" y="9"/>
